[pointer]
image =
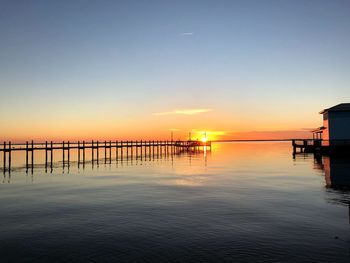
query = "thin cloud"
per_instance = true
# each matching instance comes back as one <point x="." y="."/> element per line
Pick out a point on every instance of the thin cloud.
<point x="183" y="112"/>
<point x="187" y="34"/>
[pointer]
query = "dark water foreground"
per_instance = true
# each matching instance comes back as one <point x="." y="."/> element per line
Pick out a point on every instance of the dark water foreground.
<point x="243" y="202"/>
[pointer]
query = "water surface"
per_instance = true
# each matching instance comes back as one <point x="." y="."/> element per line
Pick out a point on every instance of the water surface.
<point x="241" y="202"/>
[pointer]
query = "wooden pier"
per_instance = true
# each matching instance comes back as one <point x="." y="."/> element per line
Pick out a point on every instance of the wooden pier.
<point x="321" y="146"/>
<point x="122" y="149"/>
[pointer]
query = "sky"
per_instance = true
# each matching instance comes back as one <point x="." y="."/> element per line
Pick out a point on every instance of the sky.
<point x="143" y="69"/>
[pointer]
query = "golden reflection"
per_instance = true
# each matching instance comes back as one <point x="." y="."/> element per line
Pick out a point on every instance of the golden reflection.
<point x="189" y="181"/>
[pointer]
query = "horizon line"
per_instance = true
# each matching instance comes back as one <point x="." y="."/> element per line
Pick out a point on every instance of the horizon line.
<point x="108" y="141"/>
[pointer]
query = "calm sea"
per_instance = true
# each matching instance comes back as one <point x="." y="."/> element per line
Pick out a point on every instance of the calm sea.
<point x="241" y="202"/>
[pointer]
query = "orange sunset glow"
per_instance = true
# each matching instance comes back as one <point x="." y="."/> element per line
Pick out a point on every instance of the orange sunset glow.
<point x="140" y="125"/>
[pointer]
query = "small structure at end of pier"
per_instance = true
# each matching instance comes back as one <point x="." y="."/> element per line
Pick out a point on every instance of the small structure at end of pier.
<point x="336" y="124"/>
<point x="333" y="136"/>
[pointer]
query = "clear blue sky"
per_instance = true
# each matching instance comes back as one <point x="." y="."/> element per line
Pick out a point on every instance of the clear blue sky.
<point x="126" y="60"/>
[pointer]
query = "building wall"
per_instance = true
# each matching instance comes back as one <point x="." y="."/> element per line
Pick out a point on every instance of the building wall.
<point x="339" y="125"/>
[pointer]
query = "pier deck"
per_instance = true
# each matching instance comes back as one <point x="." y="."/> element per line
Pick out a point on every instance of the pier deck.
<point x="321" y="146"/>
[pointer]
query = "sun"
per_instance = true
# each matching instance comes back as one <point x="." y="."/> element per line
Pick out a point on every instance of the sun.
<point x="204" y="139"/>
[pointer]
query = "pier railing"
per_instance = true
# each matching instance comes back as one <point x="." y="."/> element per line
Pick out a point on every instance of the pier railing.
<point x="5" y="146"/>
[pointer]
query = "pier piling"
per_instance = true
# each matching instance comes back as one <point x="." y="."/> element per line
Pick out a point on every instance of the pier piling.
<point x="4" y="165"/>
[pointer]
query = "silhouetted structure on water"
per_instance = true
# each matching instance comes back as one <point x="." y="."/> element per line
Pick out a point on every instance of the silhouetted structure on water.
<point x="333" y="136"/>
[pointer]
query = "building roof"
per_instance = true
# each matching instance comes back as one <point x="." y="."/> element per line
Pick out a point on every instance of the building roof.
<point x="339" y="107"/>
<point x="319" y="130"/>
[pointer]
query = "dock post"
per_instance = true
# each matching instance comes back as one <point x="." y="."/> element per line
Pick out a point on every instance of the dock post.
<point x="92" y="151"/>
<point x="68" y="154"/>
<point x="4" y="157"/>
<point x="132" y="151"/>
<point x="32" y="154"/>
<point x="110" y="152"/>
<point x="145" y="149"/>
<point x="127" y="150"/>
<point x="141" y="150"/>
<point x="63" y="153"/>
<point x="136" y="149"/>
<point x="97" y="151"/>
<point x="10" y="157"/>
<point x="92" y="154"/>
<point x="121" y="150"/>
<point x="172" y="146"/>
<point x="168" y="144"/>
<point x="45" y="154"/>
<point x="166" y="148"/>
<point x="83" y="152"/>
<point x="150" y="149"/>
<point x="161" y="150"/>
<point x="305" y="145"/>
<point x="294" y="148"/>
<point x="27" y="156"/>
<point x="140" y="146"/>
<point x="51" y="159"/>
<point x="116" y="150"/>
<point x="78" y="153"/>
<point x="105" y="152"/>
